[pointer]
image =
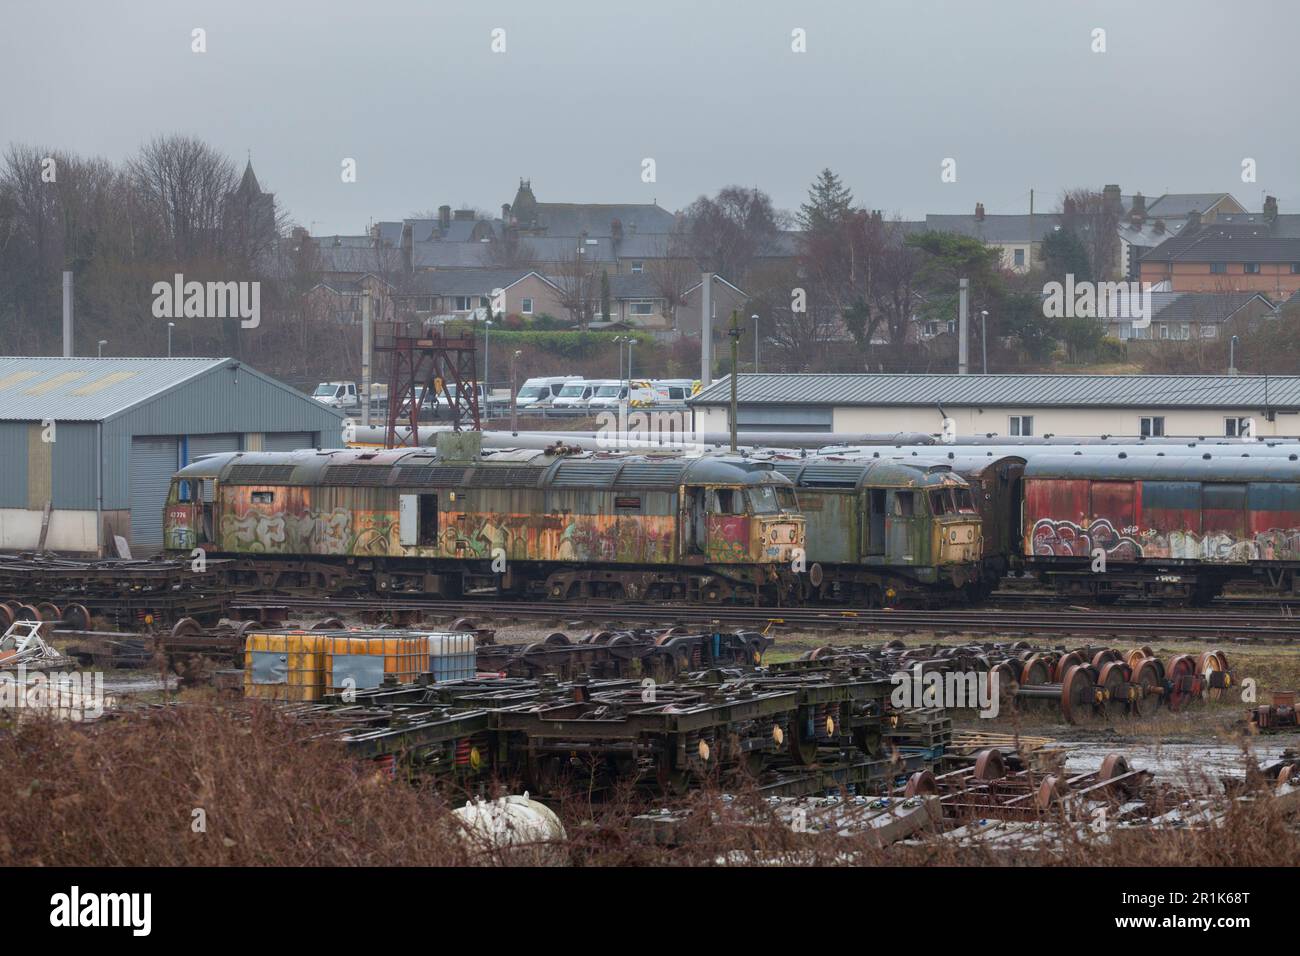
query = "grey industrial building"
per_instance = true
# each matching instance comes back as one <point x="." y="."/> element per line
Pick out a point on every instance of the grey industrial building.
<point x="94" y="442"/>
<point x="1010" y="405"/>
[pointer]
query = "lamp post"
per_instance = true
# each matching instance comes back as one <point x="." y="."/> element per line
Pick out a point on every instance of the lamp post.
<point x="170" y="326"/>
<point x="102" y="343"/>
<point x="514" y="403"/>
<point x="984" y="338"/>
<point x="487" y="327"/>
<point x="1232" y="355"/>
<point x="734" y="332"/>
<point x="755" y="318"/>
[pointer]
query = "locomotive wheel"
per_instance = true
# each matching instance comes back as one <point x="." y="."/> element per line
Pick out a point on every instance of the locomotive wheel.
<point x="557" y="638"/>
<point x="1138" y="654"/>
<point x="989" y="765"/>
<point x="1078" y="695"/>
<point x="600" y="637"/>
<point x="463" y="624"/>
<point x="25" y="612"/>
<point x="1146" y="675"/>
<point x="804" y="751"/>
<point x="1105" y="657"/>
<point x="6" y="618"/>
<point x="817" y="653"/>
<point x="1008" y="683"/>
<point x="1179" y="674"/>
<point x="921" y="783"/>
<point x="1050" y="791"/>
<point x="1210" y="662"/>
<point x="1113" y="679"/>
<point x="1116" y="765"/>
<point x="76" y="617"/>
<point x="49" y="612"/>
<point x="1064" y="663"/>
<point x="328" y="624"/>
<point x="1037" y="670"/>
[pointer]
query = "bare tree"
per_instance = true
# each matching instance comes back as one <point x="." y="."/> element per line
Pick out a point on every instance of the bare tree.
<point x="184" y="183"/>
<point x="729" y="231"/>
<point x="672" y="272"/>
<point x="1095" y="220"/>
<point x="577" y="286"/>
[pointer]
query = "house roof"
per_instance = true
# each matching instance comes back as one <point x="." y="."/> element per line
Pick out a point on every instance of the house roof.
<point x="634" y="286"/>
<point x="94" y="389"/>
<point x="596" y="219"/>
<point x="1027" y="391"/>
<point x="464" y="281"/>
<point x="1202" y="307"/>
<point x="1147" y="237"/>
<point x="997" y="228"/>
<point x="1214" y="243"/>
<point x="1181" y="205"/>
<point x="452" y="255"/>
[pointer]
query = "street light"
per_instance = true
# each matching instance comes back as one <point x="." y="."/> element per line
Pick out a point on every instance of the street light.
<point x="514" y="401"/>
<point x="1232" y="355"/>
<point x="755" y="318"/>
<point x="984" y="338"/>
<point x="487" y="328"/>
<point x="102" y="343"/>
<point x="170" y="326"/>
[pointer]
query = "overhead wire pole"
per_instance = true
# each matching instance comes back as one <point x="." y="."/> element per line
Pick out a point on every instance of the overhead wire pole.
<point x="735" y="332"/>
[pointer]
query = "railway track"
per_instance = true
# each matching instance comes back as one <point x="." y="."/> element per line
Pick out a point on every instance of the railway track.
<point x="1135" y="624"/>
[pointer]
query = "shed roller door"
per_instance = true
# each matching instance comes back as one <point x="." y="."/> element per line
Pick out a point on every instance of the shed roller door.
<point x="200" y="445"/>
<point x="153" y="462"/>
<point x="288" y="441"/>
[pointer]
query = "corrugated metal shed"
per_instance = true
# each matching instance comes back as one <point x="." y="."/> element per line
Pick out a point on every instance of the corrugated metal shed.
<point x="1058" y="391"/>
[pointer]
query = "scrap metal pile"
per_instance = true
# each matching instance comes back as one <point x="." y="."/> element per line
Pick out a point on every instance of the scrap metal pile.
<point x="22" y="645"/>
<point x="996" y="805"/>
<point x="661" y="654"/>
<point x="1081" y="684"/>
<point x="788" y="733"/>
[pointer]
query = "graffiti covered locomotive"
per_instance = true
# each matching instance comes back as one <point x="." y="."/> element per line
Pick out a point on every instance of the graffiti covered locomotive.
<point x="557" y="523"/>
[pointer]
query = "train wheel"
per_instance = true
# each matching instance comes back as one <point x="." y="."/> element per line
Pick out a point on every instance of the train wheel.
<point x="1064" y="663"/>
<point x="921" y="783"/>
<point x="6" y="618"/>
<point x="76" y="617"/>
<point x="1078" y="695"/>
<point x="1212" y="662"/>
<point x="1114" y="681"/>
<point x="49" y="612"/>
<point x="1182" y="679"/>
<point x="990" y="765"/>
<point x="1146" y="675"/>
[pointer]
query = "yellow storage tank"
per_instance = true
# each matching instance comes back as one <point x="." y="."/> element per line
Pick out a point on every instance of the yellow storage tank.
<point x="362" y="662"/>
<point x="286" y="666"/>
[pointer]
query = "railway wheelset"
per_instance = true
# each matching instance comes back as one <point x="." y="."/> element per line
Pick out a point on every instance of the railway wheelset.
<point x="1082" y="685"/>
<point x="69" y="617"/>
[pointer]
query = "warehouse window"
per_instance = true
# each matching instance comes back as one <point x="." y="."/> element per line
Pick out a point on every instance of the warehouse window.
<point x="1022" y="426"/>
<point x="1153" y="426"/>
<point x="1236" y="428"/>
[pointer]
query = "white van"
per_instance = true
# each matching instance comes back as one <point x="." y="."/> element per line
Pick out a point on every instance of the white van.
<point x="672" y="391"/>
<point x="541" y="392"/>
<point x="574" y="396"/>
<point x="337" y="394"/>
<point x="611" y="393"/>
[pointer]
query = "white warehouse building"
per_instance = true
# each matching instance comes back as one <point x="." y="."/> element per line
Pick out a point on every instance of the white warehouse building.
<point x="1007" y="405"/>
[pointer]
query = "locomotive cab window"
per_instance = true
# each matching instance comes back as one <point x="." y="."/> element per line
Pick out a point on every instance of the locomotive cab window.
<point x="726" y="501"/>
<point x="262" y="497"/>
<point x="763" y="500"/>
<point x="904" y="504"/>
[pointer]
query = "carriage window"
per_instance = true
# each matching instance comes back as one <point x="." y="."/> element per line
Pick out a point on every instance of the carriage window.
<point x="262" y="497"/>
<point x="726" y="501"/>
<point x="632" y="504"/>
<point x="181" y="492"/>
<point x="963" y="500"/>
<point x="763" y="500"/>
<point x="903" y="504"/>
<point x="940" y="503"/>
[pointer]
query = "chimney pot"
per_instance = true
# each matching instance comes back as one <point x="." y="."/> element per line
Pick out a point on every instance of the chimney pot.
<point x="444" y="216"/>
<point x="979" y="211"/>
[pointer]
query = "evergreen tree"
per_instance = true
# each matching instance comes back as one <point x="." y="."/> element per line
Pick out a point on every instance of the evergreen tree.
<point x="1065" y="254"/>
<point x="829" y="203"/>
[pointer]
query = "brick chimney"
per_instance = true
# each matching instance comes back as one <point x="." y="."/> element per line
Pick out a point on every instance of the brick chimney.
<point x="1193" y="219"/>
<point x="1111" y="199"/>
<point x="464" y="215"/>
<point x="616" y="231"/>
<point x="1138" y="214"/>
<point x="979" y="212"/>
<point x="1270" y="208"/>
<point x="505" y="212"/>
<point x="1067" y="206"/>
<point x="1158" y="227"/>
<point x="444" y="216"/>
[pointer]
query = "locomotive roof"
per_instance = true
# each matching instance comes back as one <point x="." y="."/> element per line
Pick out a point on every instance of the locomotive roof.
<point x="834" y="472"/>
<point x="964" y="461"/>
<point x="504" y="468"/>
<point x="1135" y="449"/>
<point x="1148" y="467"/>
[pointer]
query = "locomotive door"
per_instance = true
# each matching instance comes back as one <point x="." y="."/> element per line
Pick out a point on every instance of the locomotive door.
<point x="1113" y="523"/>
<point x="875" y="521"/>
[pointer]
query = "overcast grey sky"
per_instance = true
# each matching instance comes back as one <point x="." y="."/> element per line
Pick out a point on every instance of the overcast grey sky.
<point x="712" y="91"/>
